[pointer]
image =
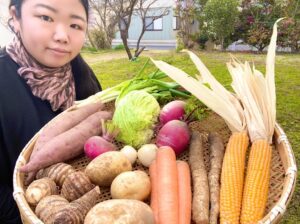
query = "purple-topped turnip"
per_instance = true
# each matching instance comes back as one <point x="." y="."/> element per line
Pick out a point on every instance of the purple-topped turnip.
<point x="173" y="110"/>
<point x="174" y="134"/>
<point x="96" y="145"/>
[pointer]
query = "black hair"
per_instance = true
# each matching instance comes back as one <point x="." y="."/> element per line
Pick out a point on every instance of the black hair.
<point x="18" y="4"/>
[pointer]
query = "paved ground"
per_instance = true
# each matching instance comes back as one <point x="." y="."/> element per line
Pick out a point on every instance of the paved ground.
<point x="107" y="56"/>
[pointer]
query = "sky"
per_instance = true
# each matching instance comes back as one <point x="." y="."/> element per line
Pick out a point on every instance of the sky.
<point x="5" y="34"/>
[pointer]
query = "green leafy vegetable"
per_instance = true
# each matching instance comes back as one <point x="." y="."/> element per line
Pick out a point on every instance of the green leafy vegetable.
<point x="152" y="83"/>
<point x="195" y="109"/>
<point x="135" y="115"/>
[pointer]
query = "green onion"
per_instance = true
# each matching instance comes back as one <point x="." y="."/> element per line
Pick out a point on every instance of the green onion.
<point x="163" y="91"/>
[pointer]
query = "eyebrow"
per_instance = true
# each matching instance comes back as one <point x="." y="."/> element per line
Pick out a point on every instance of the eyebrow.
<point x="45" y="6"/>
<point x="78" y="17"/>
<point x="73" y="16"/>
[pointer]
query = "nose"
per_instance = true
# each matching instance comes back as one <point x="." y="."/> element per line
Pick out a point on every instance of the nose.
<point x="61" y="34"/>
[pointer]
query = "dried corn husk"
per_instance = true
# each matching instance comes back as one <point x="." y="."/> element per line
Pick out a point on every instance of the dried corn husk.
<point x="216" y="97"/>
<point x="257" y="93"/>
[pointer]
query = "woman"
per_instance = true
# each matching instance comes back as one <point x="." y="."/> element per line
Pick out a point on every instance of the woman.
<point x="41" y="74"/>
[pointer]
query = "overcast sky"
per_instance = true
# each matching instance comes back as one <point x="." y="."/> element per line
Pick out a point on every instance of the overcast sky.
<point x="5" y="34"/>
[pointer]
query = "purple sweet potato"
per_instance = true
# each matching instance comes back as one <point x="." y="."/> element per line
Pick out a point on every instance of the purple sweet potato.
<point x="68" y="144"/>
<point x="66" y="121"/>
<point x="60" y="124"/>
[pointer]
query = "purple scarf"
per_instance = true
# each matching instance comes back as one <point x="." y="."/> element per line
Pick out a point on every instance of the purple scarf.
<point x="53" y="84"/>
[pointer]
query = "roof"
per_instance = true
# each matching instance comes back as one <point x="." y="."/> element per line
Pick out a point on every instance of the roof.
<point x="161" y="3"/>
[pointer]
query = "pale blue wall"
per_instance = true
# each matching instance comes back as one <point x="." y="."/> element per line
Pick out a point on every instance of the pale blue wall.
<point x="167" y="32"/>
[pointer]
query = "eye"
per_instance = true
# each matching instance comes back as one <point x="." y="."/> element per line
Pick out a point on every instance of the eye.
<point x="46" y="18"/>
<point x="76" y="26"/>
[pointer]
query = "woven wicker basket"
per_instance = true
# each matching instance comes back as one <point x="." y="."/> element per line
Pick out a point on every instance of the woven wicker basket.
<point x="282" y="182"/>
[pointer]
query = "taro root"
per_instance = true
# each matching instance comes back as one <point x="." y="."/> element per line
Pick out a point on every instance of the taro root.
<point x="39" y="189"/>
<point x="48" y="207"/>
<point x="76" y="211"/>
<point x="75" y="185"/>
<point x="57" y="172"/>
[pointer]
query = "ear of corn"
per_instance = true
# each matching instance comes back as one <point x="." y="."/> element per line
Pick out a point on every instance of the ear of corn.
<point x="257" y="94"/>
<point x="257" y="182"/>
<point x="232" y="178"/>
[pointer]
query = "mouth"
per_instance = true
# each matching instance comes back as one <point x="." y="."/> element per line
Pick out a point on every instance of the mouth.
<point x="59" y="51"/>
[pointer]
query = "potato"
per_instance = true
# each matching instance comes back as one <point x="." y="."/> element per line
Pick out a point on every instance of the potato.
<point x="131" y="185"/>
<point x="120" y="211"/>
<point x="105" y="167"/>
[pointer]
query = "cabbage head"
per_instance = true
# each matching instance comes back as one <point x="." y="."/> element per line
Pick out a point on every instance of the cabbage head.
<point x="135" y="115"/>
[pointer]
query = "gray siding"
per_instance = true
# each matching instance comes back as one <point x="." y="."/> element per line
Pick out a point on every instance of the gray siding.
<point x="159" y="39"/>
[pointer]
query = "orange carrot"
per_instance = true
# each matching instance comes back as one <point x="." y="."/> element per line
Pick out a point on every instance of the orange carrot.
<point x="167" y="186"/>
<point x="154" y="196"/>
<point x="184" y="192"/>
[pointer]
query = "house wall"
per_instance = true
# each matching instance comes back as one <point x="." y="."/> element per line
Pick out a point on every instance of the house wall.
<point x="5" y="34"/>
<point x="156" y="39"/>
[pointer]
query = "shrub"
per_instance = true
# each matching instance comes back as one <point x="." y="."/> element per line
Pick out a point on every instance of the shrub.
<point x="119" y="47"/>
<point x="98" y="39"/>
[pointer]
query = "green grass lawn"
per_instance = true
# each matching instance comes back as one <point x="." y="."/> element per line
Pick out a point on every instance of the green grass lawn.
<point x="287" y="70"/>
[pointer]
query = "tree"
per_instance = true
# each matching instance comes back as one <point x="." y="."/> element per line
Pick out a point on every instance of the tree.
<point x="256" y="21"/>
<point x="186" y="13"/>
<point x="103" y="25"/>
<point x="123" y="10"/>
<point x="220" y="17"/>
<point x="289" y="34"/>
<point x="259" y="36"/>
<point x="143" y="11"/>
<point x="289" y="29"/>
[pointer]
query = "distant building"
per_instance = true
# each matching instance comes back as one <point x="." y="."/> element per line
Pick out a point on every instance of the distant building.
<point x="5" y="34"/>
<point x="159" y="35"/>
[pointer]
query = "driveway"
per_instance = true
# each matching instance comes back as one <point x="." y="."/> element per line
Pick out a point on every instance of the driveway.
<point x="112" y="55"/>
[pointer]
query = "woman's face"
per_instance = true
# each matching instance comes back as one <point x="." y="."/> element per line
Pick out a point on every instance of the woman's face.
<point x="52" y="31"/>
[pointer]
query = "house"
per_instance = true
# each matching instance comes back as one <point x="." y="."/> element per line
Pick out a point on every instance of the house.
<point x="161" y="34"/>
<point x="6" y="34"/>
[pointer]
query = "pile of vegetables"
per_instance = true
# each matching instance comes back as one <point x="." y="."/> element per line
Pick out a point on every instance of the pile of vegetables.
<point x="76" y="199"/>
<point x="251" y="110"/>
<point x="153" y="135"/>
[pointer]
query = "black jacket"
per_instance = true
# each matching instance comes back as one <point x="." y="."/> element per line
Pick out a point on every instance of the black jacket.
<point x="22" y="114"/>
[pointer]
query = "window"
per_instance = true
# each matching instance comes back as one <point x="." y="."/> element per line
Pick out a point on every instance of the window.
<point x="175" y="23"/>
<point x="152" y="24"/>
